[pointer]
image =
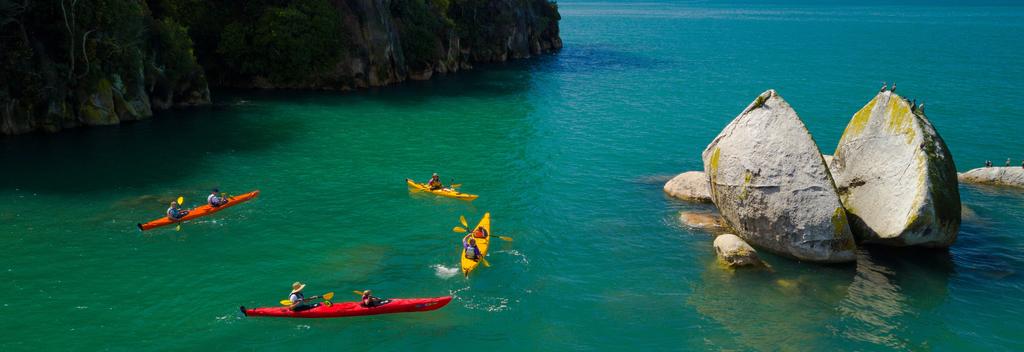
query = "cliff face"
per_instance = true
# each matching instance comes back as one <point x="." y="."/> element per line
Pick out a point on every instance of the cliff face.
<point x="73" y="63"/>
<point x="94" y="62"/>
<point x="391" y="45"/>
<point x="390" y="41"/>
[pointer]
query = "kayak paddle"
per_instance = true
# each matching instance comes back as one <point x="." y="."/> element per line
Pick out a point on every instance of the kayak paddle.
<point x="181" y="200"/>
<point x="461" y="229"/>
<point x="326" y="297"/>
<point x="455" y="185"/>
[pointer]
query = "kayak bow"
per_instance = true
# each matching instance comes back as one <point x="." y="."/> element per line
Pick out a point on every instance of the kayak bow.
<point x="352" y="309"/>
<point x="444" y="192"/>
<point x="199" y="211"/>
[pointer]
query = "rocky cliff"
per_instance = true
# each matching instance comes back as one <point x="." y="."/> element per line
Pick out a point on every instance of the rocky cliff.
<point x="349" y="44"/>
<point x="91" y="62"/>
<point x="71" y="63"/>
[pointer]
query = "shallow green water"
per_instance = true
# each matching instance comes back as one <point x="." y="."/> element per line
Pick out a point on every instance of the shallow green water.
<point x="568" y="152"/>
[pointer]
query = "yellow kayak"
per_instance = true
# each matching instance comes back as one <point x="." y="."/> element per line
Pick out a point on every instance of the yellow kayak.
<point x="444" y="192"/>
<point x="481" y="243"/>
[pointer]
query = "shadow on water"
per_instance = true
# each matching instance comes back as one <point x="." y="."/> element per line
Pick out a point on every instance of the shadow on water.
<point x="801" y="304"/>
<point x="598" y="58"/>
<point x="169" y="146"/>
<point x="484" y="81"/>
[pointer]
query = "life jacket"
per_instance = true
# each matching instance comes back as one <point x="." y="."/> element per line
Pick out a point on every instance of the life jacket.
<point x="173" y="213"/>
<point x="472" y="252"/>
<point x="480" y="233"/>
<point x="299" y="297"/>
<point x="214" y="199"/>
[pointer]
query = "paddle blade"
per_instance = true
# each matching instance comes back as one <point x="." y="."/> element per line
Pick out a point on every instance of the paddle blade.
<point x="458" y="229"/>
<point x="506" y="239"/>
<point x="462" y="220"/>
<point x="177" y="228"/>
<point x="181" y="200"/>
<point x="455" y="185"/>
<point x="285" y="302"/>
<point x="484" y="260"/>
<point x="328" y="296"/>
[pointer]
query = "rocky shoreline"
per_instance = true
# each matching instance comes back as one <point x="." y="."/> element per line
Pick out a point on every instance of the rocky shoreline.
<point x="106" y="63"/>
<point x="1011" y="176"/>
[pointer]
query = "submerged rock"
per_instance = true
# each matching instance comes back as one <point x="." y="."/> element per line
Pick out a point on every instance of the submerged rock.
<point x="896" y="177"/>
<point x="770" y="183"/>
<point x="1000" y="176"/>
<point x="733" y="251"/>
<point x="704" y="221"/>
<point x="690" y="185"/>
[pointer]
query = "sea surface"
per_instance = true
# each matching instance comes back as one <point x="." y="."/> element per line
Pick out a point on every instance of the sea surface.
<point x="568" y="153"/>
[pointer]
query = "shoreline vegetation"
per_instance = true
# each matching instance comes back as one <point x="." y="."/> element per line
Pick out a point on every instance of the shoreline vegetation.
<point x="73" y="63"/>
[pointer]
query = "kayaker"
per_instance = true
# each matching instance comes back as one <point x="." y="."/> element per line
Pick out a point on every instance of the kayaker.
<point x="215" y="199"/>
<point x="480" y="232"/>
<point x="299" y="300"/>
<point x="174" y="212"/>
<point x="369" y="301"/>
<point x="472" y="251"/>
<point x="435" y="183"/>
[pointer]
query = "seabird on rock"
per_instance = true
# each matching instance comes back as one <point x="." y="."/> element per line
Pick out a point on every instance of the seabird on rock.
<point x="884" y="84"/>
<point x="893" y="87"/>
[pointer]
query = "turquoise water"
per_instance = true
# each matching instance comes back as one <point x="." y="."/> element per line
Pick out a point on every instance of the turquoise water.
<point x="568" y="152"/>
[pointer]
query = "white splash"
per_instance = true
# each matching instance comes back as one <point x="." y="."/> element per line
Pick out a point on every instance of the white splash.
<point x="444" y="272"/>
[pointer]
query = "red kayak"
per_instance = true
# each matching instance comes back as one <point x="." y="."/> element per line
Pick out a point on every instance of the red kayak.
<point x="352" y="309"/>
<point x="200" y="211"/>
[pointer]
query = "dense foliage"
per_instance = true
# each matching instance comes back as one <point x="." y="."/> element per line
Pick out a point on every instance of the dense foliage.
<point x="422" y="25"/>
<point x="281" y="41"/>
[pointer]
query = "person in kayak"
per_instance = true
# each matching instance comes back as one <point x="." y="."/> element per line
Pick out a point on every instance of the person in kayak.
<point x="435" y="183"/>
<point x="215" y="199"/>
<point x="369" y="301"/>
<point x="480" y="232"/>
<point x="174" y="212"/>
<point x="299" y="300"/>
<point x="472" y="251"/>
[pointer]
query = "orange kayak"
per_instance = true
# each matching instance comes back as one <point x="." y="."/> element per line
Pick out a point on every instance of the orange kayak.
<point x="200" y="211"/>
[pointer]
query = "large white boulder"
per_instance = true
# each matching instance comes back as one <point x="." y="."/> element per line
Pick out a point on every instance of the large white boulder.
<point x="1000" y="176"/>
<point x="896" y="177"/>
<point x="690" y="185"/>
<point x="771" y="185"/>
<point x="734" y="252"/>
